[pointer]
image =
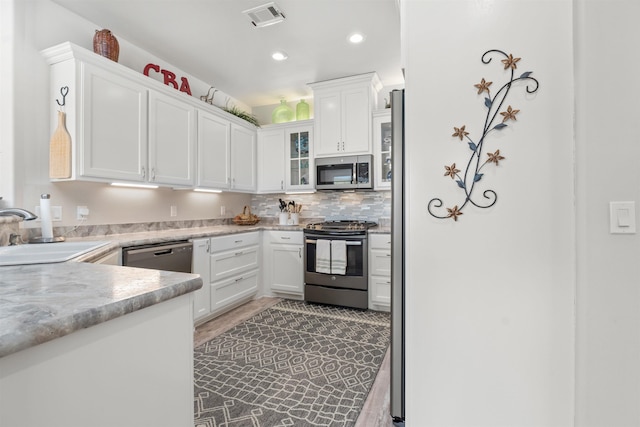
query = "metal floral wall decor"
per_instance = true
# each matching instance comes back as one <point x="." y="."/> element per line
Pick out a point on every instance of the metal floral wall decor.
<point x="497" y="118"/>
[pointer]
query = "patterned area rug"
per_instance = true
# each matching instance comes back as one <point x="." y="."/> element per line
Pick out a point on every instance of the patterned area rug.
<point x="294" y="364"/>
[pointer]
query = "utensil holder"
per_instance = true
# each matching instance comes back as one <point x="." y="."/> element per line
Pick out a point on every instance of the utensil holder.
<point x="295" y="218"/>
<point x="284" y="218"/>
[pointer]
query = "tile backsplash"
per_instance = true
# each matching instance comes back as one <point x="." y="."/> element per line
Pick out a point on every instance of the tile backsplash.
<point x="329" y="205"/>
<point x="326" y="205"/>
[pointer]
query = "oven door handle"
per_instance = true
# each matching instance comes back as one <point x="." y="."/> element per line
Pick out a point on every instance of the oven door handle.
<point x="348" y="242"/>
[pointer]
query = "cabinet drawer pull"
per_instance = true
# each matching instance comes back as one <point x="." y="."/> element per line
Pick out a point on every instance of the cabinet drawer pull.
<point x="239" y="279"/>
<point x="388" y="254"/>
<point x="238" y="253"/>
<point x="285" y="238"/>
<point x="238" y="241"/>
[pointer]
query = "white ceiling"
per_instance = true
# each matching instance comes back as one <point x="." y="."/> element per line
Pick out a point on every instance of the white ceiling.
<point x="215" y="42"/>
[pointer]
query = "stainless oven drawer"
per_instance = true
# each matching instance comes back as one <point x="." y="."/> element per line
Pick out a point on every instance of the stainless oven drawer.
<point x="333" y="296"/>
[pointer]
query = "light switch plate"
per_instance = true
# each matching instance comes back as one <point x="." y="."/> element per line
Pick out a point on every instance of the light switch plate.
<point x="622" y="217"/>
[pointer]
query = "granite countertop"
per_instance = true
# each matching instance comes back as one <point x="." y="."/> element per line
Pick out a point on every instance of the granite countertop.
<point x="39" y="303"/>
<point x="151" y="237"/>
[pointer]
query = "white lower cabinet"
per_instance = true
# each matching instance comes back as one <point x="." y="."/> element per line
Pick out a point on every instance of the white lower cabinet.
<point x="200" y="265"/>
<point x="380" y="271"/>
<point x="229" y="293"/>
<point x="230" y="270"/>
<point x="283" y="260"/>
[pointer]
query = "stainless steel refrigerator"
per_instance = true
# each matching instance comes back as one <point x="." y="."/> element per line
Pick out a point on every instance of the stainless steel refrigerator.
<point x="397" y="259"/>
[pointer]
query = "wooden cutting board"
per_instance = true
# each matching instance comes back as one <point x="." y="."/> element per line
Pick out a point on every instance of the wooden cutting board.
<point x="60" y="150"/>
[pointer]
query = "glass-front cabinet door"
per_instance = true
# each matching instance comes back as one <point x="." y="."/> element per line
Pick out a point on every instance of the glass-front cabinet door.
<point x="382" y="149"/>
<point x="299" y="158"/>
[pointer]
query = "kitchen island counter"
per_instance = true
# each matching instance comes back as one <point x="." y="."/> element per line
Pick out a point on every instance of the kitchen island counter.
<point x="96" y="345"/>
<point x="39" y="303"/>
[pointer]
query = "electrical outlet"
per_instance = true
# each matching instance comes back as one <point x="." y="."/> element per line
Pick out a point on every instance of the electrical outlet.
<point x="174" y="211"/>
<point x="82" y="212"/>
<point x="223" y="210"/>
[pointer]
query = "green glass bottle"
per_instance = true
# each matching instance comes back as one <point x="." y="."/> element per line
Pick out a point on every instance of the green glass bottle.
<point x="282" y="113"/>
<point x="302" y="110"/>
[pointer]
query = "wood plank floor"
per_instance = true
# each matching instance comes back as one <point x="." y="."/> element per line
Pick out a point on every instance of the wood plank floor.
<point x="375" y="412"/>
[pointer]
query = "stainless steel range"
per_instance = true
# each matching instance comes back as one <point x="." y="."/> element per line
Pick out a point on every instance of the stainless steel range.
<point x="336" y="263"/>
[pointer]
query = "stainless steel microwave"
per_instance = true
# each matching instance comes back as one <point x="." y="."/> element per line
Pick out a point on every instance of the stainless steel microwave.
<point x="344" y="173"/>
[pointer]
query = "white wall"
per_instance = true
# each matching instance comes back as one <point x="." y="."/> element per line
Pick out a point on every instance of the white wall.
<point x="40" y="24"/>
<point x="608" y="149"/>
<point x="6" y="107"/>
<point x="490" y="298"/>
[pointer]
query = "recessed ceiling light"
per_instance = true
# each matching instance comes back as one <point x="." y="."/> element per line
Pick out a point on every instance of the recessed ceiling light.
<point x="356" y="38"/>
<point x="280" y="55"/>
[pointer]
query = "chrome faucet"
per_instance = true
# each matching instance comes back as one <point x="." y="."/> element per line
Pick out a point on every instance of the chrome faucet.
<point x="23" y="213"/>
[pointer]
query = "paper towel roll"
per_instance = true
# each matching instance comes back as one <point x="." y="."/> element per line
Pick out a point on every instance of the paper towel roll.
<point x="45" y="216"/>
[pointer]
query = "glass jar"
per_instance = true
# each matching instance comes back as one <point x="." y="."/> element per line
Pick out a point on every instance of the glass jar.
<point x="282" y="113"/>
<point x="302" y="110"/>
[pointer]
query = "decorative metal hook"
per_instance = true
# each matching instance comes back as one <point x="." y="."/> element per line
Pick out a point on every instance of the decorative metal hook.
<point x="64" y="90"/>
<point x="206" y="98"/>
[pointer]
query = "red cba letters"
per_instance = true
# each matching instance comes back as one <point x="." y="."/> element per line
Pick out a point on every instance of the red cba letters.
<point x="169" y="78"/>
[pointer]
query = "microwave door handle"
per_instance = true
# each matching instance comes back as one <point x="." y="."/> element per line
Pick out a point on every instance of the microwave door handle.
<point x="354" y="174"/>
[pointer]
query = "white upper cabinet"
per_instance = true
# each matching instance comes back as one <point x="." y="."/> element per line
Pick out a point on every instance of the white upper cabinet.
<point x="285" y="159"/>
<point x="226" y="155"/>
<point x="382" y="149"/>
<point x="125" y="126"/>
<point x="271" y="157"/>
<point x="244" y="175"/>
<point x="299" y="157"/>
<point x="172" y="137"/>
<point x="109" y="129"/>
<point x="214" y="151"/>
<point x="343" y="110"/>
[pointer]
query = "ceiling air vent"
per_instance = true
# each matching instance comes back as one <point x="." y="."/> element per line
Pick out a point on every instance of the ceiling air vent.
<point x="267" y="14"/>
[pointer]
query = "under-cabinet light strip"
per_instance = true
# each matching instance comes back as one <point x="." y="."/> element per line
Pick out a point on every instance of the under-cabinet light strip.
<point x="206" y="190"/>
<point x="125" y="184"/>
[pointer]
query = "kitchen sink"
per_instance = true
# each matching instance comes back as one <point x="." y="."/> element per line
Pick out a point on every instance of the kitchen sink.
<point x="43" y="253"/>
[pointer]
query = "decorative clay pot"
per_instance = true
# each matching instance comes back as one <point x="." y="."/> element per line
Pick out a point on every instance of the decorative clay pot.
<point x="106" y="44"/>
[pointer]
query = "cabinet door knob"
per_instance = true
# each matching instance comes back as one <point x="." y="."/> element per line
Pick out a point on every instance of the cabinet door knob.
<point x="144" y="173"/>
